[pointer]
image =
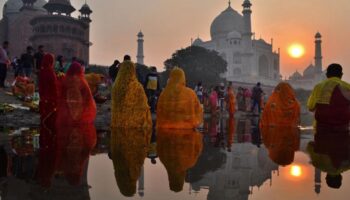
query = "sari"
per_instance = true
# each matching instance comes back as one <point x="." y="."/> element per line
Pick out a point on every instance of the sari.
<point x="178" y="150"/>
<point x="48" y="90"/>
<point x="129" y="102"/>
<point x="75" y="102"/>
<point x="213" y="101"/>
<point x="178" y="106"/>
<point x="23" y="87"/>
<point x="282" y="108"/>
<point x="231" y="102"/>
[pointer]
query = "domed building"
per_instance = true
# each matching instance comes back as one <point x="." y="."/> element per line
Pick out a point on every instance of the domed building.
<point x="38" y="22"/>
<point x="248" y="60"/>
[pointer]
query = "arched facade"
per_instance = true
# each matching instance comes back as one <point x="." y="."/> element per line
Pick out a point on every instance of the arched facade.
<point x="263" y="66"/>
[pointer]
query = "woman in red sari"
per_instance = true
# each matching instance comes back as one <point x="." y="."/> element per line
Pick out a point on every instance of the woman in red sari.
<point x="48" y="90"/>
<point x="75" y="102"/>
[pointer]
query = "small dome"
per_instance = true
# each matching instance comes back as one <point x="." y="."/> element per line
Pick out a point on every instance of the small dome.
<point x="229" y="20"/>
<point x="309" y="71"/>
<point x="318" y="35"/>
<point x="14" y="6"/>
<point x="62" y="6"/>
<point x="197" y="42"/>
<point x="140" y="34"/>
<point x="296" y="75"/>
<point x="85" y="9"/>
<point x="234" y="35"/>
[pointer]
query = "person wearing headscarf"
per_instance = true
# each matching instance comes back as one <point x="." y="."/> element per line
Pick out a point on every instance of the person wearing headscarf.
<point x="128" y="148"/>
<point x="282" y="108"/>
<point x="281" y="142"/>
<point x="48" y="90"/>
<point x="23" y="87"/>
<point x="213" y="101"/>
<point x="129" y="102"/>
<point x="330" y="99"/>
<point x="178" y="106"/>
<point x="230" y="100"/>
<point x="178" y="150"/>
<point x="75" y="102"/>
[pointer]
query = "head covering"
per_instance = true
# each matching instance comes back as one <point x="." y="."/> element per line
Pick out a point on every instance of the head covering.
<point x="282" y="107"/>
<point x="129" y="102"/>
<point x="76" y="104"/>
<point x="178" y="150"/>
<point x="178" y="106"/>
<point x="47" y="89"/>
<point x="94" y="80"/>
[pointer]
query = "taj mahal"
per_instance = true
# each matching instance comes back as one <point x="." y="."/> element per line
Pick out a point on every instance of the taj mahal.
<point x="248" y="59"/>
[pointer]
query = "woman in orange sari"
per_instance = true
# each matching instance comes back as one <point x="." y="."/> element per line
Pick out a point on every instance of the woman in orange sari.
<point x="178" y="106"/>
<point x="75" y="103"/>
<point x="230" y="101"/>
<point x="282" y="108"/>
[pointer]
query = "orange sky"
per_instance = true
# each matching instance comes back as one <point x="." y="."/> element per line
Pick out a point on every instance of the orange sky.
<point x="169" y="25"/>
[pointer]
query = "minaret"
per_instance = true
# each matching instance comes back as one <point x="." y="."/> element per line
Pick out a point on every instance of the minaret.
<point x="317" y="181"/>
<point x="318" y="52"/>
<point x="247" y="35"/>
<point x="140" y="57"/>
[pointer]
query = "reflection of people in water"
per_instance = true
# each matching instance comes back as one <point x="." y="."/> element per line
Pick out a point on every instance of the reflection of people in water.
<point x="281" y="143"/>
<point x="152" y="150"/>
<point x="3" y="162"/>
<point x="330" y="153"/>
<point x="128" y="152"/>
<point x="47" y="158"/>
<point x="230" y="132"/>
<point x="244" y="130"/>
<point x="178" y="150"/>
<point x="73" y="147"/>
<point x="282" y="107"/>
<point x="256" y="136"/>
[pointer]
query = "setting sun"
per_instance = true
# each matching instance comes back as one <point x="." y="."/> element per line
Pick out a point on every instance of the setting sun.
<point x="296" y="50"/>
<point x="295" y="171"/>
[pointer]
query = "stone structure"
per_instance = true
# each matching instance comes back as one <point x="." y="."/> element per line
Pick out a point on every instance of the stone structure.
<point x="140" y="56"/>
<point x="249" y="60"/>
<point x="313" y="73"/>
<point x="37" y="22"/>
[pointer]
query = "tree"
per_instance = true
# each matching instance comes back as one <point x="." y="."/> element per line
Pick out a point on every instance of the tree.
<point x="199" y="64"/>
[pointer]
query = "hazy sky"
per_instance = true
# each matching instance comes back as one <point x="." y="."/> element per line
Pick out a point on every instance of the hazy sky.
<point x="169" y="25"/>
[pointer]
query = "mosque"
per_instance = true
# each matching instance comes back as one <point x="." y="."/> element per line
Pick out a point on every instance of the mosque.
<point x="38" y="22"/>
<point x="248" y="60"/>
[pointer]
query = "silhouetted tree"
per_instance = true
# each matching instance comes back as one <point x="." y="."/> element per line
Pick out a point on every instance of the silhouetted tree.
<point x="199" y="64"/>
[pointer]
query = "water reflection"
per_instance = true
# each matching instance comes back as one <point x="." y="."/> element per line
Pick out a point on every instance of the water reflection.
<point x="178" y="150"/>
<point x="129" y="149"/>
<point x="228" y="159"/>
<point x="330" y="153"/>
<point x="282" y="143"/>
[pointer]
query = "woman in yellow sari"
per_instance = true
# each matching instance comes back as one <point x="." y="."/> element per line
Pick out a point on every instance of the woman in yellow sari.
<point x="129" y="102"/>
<point x="178" y="106"/>
<point x="282" y="108"/>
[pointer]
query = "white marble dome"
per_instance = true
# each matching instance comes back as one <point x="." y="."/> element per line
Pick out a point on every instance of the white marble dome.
<point x="228" y="21"/>
<point x="13" y="6"/>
